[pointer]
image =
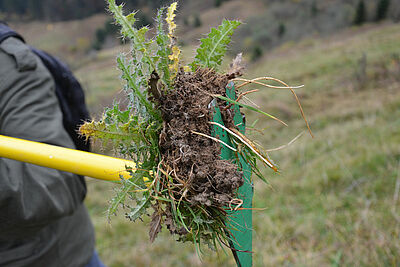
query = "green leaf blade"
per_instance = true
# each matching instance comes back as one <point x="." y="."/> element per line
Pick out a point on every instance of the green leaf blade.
<point x="249" y="107"/>
<point x="213" y="48"/>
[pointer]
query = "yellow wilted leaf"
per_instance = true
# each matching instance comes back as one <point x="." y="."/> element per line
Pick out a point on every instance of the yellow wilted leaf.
<point x="170" y="19"/>
<point x="174" y="56"/>
<point x="91" y="129"/>
<point x="175" y="59"/>
<point x="146" y="180"/>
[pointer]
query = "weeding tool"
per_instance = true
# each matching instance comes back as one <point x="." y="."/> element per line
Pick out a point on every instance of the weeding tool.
<point x="65" y="159"/>
<point x="112" y="169"/>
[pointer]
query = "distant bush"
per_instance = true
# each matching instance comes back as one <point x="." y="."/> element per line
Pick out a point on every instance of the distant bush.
<point x="186" y="21"/>
<point x="108" y="29"/>
<point x="261" y="32"/>
<point x="281" y="30"/>
<point x="56" y="10"/>
<point x="142" y="20"/>
<point x="314" y="9"/>
<point x="100" y="38"/>
<point x="256" y="53"/>
<point x="218" y="3"/>
<point x="382" y="9"/>
<point x="360" y="16"/>
<point x="197" y="21"/>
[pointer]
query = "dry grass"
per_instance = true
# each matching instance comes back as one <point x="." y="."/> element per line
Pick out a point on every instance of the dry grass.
<point x="212" y="17"/>
<point x="68" y="40"/>
<point x="335" y="202"/>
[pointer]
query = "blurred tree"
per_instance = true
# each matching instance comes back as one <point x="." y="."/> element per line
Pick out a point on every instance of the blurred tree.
<point x="281" y="29"/>
<point x="186" y="21"/>
<point x="55" y="10"/>
<point x="14" y="6"/>
<point x="197" y="21"/>
<point x="360" y="15"/>
<point x="143" y="20"/>
<point x="314" y="9"/>
<point x="256" y="53"/>
<point x="109" y="29"/>
<point x="218" y="3"/>
<point x="35" y="9"/>
<point x="101" y="35"/>
<point x="382" y="9"/>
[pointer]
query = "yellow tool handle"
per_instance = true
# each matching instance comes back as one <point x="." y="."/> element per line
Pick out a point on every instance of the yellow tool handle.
<point x="65" y="159"/>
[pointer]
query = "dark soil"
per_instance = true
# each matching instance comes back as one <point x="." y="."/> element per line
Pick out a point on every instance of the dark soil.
<point x="200" y="175"/>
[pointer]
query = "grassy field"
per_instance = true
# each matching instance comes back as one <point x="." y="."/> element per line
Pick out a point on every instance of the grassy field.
<point x="336" y="200"/>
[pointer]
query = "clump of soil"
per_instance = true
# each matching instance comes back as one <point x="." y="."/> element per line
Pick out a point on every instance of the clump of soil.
<point x="200" y="175"/>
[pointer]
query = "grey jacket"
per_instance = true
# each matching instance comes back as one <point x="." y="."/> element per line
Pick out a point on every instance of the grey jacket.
<point x="42" y="219"/>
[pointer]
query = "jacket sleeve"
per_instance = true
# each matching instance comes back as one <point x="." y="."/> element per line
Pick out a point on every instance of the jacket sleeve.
<point x="31" y="197"/>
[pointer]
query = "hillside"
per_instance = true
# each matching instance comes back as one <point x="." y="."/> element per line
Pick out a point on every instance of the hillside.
<point x="336" y="201"/>
<point x="68" y="40"/>
<point x="267" y="23"/>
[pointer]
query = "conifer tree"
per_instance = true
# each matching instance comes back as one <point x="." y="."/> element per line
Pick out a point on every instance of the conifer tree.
<point x="360" y="15"/>
<point x="382" y="9"/>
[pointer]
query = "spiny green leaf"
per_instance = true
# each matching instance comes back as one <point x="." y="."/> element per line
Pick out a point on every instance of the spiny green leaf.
<point x="117" y="200"/>
<point x="126" y="22"/>
<point x="213" y="48"/>
<point x="163" y="50"/>
<point x="137" y="83"/>
<point x="140" y="209"/>
<point x="138" y="38"/>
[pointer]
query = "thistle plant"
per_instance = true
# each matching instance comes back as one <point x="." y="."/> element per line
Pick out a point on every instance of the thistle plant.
<point x="166" y="129"/>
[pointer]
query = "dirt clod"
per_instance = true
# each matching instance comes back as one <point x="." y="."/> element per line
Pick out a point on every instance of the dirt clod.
<point x="199" y="174"/>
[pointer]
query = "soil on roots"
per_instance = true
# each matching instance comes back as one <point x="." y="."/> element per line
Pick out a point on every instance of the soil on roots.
<point x="194" y="160"/>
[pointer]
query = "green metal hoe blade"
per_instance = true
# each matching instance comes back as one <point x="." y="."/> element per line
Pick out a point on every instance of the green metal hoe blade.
<point x="240" y="224"/>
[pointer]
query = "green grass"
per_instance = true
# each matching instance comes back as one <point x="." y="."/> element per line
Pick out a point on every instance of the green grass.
<point x="334" y="202"/>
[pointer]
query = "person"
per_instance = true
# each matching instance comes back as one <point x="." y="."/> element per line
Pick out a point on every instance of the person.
<point x="43" y="221"/>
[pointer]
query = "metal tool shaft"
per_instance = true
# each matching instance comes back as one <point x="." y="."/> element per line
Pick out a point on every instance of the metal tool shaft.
<point x="65" y="159"/>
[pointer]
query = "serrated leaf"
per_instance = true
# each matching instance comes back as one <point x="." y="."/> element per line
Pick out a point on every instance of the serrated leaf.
<point x="155" y="226"/>
<point x="117" y="200"/>
<point x="163" y="50"/>
<point x="212" y="49"/>
<point x="139" y="209"/>
<point x="128" y="30"/>
<point x="141" y="34"/>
